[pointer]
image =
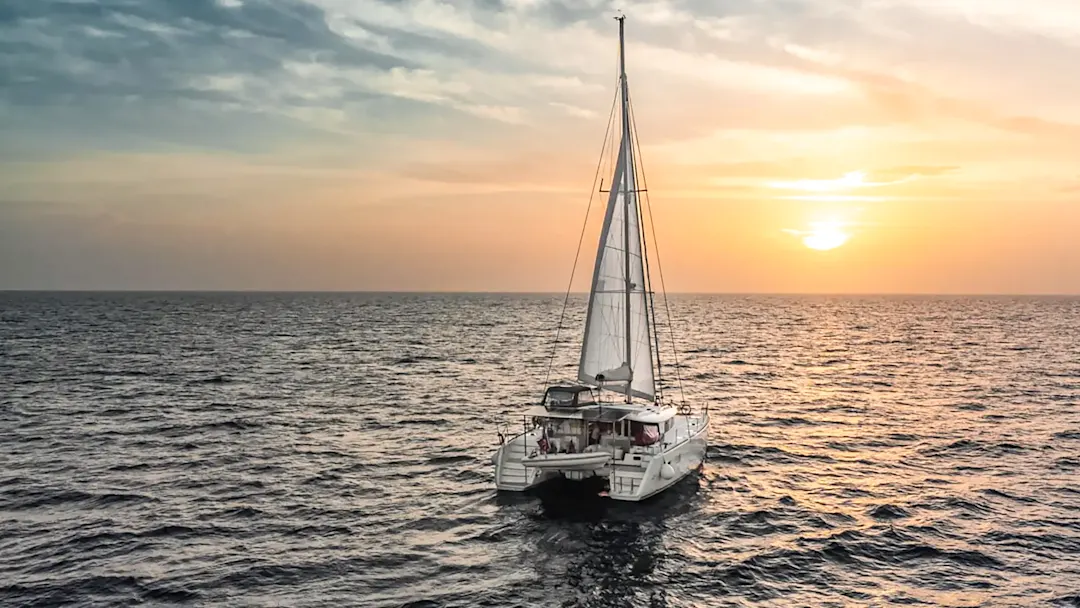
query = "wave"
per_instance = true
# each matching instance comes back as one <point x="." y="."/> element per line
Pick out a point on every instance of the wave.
<point x="888" y="512"/>
<point x="37" y="499"/>
<point x="451" y="459"/>
<point x="50" y="593"/>
<point x="414" y="359"/>
<point x="971" y="446"/>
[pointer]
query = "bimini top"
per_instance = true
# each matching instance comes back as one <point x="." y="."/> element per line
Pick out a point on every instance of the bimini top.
<point x="569" y="397"/>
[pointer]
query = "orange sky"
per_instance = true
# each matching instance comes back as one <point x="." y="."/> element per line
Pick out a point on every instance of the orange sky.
<point x="450" y="146"/>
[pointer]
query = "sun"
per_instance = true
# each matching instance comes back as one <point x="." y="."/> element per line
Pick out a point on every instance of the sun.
<point x="823" y="236"/>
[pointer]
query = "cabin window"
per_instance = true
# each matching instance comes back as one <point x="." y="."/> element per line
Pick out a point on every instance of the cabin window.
<point x="560" y="399"/>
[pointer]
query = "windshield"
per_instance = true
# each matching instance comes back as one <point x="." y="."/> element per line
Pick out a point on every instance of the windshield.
<point x="560" y="399"/>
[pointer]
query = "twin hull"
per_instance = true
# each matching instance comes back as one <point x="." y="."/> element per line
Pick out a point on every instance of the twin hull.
<point x="634" y="476"/>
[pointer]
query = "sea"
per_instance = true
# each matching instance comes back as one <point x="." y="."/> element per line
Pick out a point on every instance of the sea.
<point x="304" y="449"/>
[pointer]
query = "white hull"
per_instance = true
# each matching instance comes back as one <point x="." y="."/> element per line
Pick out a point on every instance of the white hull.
<point x="637" y="475"/>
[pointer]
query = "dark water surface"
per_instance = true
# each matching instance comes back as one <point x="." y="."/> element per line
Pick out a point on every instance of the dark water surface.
<point x="328" y="450"/>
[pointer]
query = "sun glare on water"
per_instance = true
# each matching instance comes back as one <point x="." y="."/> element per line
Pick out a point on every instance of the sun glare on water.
<point x="823" y="236"/>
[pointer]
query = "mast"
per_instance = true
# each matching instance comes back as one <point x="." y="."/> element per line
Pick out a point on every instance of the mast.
<point x="629" y="164"/>
<point x="615" y="319"/>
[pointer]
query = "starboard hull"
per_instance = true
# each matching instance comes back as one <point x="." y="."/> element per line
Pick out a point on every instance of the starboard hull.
<point x="626" y="484"/>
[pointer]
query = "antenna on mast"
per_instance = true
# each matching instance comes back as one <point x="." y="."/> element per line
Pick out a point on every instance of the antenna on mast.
<point x="622" y="58"/>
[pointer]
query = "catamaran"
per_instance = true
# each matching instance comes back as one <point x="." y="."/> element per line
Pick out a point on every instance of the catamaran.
<point x="614" y="424"/>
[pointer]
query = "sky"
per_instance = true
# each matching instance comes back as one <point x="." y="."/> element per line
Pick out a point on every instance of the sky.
<point x="790" y="146"/>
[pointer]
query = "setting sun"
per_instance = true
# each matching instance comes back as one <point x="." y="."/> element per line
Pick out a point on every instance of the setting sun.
<point x="823" y="236"/>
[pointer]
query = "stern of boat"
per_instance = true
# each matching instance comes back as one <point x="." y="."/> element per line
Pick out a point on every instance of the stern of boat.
<point x="511" y="474"/>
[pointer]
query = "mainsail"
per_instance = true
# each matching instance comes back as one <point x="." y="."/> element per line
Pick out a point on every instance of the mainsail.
<point x="617" y="347"/>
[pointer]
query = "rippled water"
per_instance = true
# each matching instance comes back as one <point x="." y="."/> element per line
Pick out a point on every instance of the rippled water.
<point x="327" y="450"/>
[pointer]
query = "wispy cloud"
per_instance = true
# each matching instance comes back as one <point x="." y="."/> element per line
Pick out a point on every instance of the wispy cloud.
<point x="573" y="110"/>
<point x="292" y="63"/>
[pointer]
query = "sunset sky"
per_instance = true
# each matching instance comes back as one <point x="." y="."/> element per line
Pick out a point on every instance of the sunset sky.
<point x="922" y="146"/>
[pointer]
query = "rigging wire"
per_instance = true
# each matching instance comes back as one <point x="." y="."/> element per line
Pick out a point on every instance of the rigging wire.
<point x="656" y="247"/>
<point x="609" y="143"/>
<point x="581" y="239"/>
<point x="651" y="301"/>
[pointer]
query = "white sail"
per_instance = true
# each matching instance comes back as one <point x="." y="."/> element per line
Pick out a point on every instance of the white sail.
<point x="617" y="344"/>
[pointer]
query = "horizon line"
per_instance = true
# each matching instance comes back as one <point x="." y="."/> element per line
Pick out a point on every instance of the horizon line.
<point x="541" y="293"/>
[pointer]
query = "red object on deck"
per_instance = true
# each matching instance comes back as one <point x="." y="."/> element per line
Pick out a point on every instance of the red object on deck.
<point x="648" y="435"/>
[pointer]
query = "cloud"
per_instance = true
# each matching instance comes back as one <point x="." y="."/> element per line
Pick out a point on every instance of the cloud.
<point x="124" y="74"/>
<point x="909" y="172"/>
<point x="121" y="74"/>
<point x="573" y="110"/>
<point x="1052" y="18"/>
<point x="1074" y="186"/>
<point x="845" y="188"/>
<point x="247" y="75"/>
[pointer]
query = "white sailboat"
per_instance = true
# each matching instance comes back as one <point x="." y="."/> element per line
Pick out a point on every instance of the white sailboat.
<point x="614" y="424"/>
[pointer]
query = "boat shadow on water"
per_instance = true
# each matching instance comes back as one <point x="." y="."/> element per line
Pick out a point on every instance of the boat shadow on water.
<point x="564" y="499"/>
<point x="595" y="551"/>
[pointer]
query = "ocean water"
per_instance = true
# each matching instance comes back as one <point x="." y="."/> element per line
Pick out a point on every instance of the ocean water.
<point x="333" y="449"/>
